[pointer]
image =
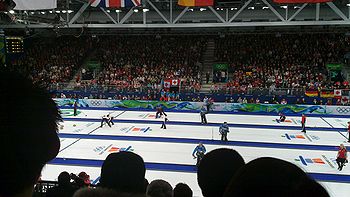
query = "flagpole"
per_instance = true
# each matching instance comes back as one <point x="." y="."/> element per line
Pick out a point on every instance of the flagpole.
<point x="180" y="86"/>
<point x="171" y="11"/>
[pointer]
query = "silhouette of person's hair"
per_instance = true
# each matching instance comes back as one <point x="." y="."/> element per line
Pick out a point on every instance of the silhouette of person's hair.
<point x="102" y="192"/>
<point x="182" y="190"/>
<point x="63" y="178"/>
<point x="124" y="172"/>
<point x="28" y="133"/>
<point x="159" y="188"/>
<point x="273" y="177"/>
<point x="216" y="170"/>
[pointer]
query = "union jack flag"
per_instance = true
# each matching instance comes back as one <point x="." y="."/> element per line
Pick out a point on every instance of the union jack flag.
<point x="115" y="3"/>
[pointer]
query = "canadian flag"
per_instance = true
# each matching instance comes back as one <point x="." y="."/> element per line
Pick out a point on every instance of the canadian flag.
<point x="337" y="93"/>
<point x="175" y="82"/>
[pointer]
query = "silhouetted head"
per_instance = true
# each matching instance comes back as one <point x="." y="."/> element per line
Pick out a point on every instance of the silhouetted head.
<point x="159" y="188"/>
<point x="271" y="177"/>
<point x="182" y="190"/>
<point x="63" y="179"/>
<point x="103" y="192"/>
<point x="216" y="170"/>
<point x="123" y="172"/>
<point x="28" y="133"/>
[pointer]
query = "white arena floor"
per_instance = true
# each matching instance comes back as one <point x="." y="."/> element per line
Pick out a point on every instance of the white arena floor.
<point x="167" y="153"/>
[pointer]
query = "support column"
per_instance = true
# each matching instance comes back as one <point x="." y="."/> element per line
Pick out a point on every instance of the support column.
<point x="317" y="11"/>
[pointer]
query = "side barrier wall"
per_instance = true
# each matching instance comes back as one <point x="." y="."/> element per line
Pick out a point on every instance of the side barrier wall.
<point x="217" y="107"/>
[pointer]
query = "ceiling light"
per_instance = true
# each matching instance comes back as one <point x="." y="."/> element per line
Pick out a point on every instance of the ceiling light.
<point x="284" y="6"/>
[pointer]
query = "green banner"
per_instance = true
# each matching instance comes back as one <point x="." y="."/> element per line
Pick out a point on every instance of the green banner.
<point x="220" y="67"/>
<point x="93" y="65"/>
<point x="334" y="67"/>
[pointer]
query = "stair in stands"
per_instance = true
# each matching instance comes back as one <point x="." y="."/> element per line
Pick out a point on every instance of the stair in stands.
<point x="208" y="59"/>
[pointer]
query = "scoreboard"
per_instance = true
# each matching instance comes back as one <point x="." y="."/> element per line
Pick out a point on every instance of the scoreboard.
<point x="14" y="44"/>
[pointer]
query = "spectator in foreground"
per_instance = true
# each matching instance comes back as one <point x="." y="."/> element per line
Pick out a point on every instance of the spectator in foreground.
<point x="102" y="192"/>
<point x="273" y="177"/>
<point x="124" y="172"/>
<point x="217" y="169"/>
<point x="182" y="190"/>
<point x="159" y="188"/>
<point x="64" y="188"/>
<point x="33" y="142"/>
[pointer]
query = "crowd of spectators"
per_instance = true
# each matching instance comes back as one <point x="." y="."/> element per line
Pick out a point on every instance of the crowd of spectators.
<point x="259" y="64"/>
<point x="54" y="60"/>
<point x="273" y="61"/>
<point x="143" y="62"/>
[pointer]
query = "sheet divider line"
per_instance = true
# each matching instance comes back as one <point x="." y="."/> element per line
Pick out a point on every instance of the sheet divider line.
<point x="206" y="141"/>
<point x="119" y="114"/>
<point x="334" y="128"/>
<point x="209" y="124"/>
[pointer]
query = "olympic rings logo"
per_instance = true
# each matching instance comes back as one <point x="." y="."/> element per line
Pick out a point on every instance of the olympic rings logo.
<point x="343" y="110"/>
<point x="96" y="102"/>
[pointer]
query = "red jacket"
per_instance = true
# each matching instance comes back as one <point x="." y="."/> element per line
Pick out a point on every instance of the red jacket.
<point x="303" y="119"/>
<point x="342" y="153"/>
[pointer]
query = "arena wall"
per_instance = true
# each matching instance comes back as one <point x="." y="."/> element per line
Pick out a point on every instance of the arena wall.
<point x="272" y="109"/>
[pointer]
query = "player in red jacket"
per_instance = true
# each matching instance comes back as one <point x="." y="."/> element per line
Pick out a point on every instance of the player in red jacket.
<point x="341" y="157"/>
<point x="303" y="121"/>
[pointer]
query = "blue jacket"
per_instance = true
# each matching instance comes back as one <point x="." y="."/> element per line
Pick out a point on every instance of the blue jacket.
<point x="206" y="101"/>
<point x="199" y="149"/>
<point x="204" y="110"/>
<point x="224" y="129"/>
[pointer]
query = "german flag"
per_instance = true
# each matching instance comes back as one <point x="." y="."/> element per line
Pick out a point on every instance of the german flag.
<point x="196" y="3"/>
<point x="311" y="93"/>
<point x="327" y="93"/>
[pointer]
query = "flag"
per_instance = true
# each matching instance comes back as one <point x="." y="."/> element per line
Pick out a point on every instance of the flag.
<point x="167" y="84"/>
<point x="344" y="99"/>
<point x="35" y="4"/>
<point x="301" y="1"/>
<point x="175" y="82"/>
<point x="327" y="94"/>
<point x="311" y="93"/>
<point x="115" y="3"/>
<point x="337" y="94"/>
<point x="193" y="3"/>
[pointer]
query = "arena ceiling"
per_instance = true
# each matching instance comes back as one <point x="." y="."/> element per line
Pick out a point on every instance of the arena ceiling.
<point x="167" y="14"/>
